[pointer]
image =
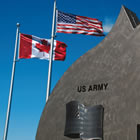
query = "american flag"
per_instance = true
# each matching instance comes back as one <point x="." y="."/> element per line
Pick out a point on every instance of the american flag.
<point x="73" y="24"/>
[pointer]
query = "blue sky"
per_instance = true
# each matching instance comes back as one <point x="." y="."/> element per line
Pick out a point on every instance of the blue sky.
<point x="30" y="83"/>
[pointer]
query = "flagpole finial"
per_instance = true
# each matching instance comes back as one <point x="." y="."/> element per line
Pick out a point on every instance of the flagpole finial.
<point x="18" y="24"/>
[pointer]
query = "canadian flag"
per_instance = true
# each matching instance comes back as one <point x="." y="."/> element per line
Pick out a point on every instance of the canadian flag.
<point x="35" y="47"/>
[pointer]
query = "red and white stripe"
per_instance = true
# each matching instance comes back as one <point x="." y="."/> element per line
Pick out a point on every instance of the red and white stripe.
<point x="83" y="25"/>
<point x="35" y="47"/>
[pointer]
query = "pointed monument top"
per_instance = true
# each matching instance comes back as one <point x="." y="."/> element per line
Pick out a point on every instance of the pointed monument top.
<point x="132" y="17"/>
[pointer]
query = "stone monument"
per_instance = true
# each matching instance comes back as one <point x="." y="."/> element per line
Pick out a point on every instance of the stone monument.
<point x="107" y="75"/>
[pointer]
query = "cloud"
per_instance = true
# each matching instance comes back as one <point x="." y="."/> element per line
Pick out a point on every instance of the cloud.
<point x="107" y="28"/>
<point x="107" y="25"/>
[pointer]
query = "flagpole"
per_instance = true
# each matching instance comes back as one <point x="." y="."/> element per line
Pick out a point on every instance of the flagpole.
<point x="51" y="51"/>
<point x="11" y="87"/>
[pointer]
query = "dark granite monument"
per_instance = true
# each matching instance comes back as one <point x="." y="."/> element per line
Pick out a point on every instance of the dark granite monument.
<point x="84" y="122"/>
<point x="107" y="75"/>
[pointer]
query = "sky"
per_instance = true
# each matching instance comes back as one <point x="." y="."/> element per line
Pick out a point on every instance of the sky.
<point x="30" y="83"/>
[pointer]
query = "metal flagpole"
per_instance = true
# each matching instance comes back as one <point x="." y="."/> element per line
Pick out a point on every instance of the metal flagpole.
<point x="51" y="52"/>
<point x="11" y="87"/>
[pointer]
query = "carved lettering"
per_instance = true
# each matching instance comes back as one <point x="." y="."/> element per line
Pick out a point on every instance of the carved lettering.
<point x="94" y="87"/>
<point x="81" y="88"/>
<point x="105" y="85"/>
<point x="90" y="88"/>
<point x="100" y="86"/>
